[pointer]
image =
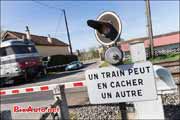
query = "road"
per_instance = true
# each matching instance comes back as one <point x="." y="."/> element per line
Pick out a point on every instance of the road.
<point x="44" y="99"/>
<point x="56" y="78"/>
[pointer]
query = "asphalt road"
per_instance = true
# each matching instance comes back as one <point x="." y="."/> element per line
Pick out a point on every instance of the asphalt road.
<point x="56" y="78"/>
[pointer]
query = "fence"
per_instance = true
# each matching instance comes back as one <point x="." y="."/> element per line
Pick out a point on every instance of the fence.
<point x="164" y="52"/>
<point x="156" y="52"/>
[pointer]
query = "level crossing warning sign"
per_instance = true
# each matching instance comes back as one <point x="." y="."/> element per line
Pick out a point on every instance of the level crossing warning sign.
<point x="124" y="83"/>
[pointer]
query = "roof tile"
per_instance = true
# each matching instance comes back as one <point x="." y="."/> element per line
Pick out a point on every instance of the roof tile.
<point x="40" y="40"/>
<point x="159" y="40"/>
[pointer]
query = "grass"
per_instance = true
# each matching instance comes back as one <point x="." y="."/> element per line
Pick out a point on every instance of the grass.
<point x="104" y="64"/>
<point x="128" y="61"/>
<point x="160" y="58"/>
<point x="164" y="58"/>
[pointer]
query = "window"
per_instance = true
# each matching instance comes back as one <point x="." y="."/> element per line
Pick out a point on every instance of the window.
<point x="20" y="50"/>
<point x="32" y="49"/>
<point x="2" y="52"/>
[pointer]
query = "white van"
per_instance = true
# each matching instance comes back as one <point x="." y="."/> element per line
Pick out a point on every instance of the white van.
<point x="18" y="59"/>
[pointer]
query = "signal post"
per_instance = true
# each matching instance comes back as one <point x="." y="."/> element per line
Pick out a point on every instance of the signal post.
<point x="108" y="29"/>
<point x="115" y="87"/>
<point x="125" y="83"/>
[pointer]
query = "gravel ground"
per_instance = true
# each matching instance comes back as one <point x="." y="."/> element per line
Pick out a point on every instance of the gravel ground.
<point x="96" y="112"/>
<point x="171" y="99"/>
<point x="172" y="112"/>
<point x="171" y="104"/>
<point x="177" y="80"/>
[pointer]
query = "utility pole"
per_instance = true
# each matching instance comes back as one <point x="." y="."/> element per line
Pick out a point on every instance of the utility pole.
<point x="67" y="31"/>
<point x="149" y="27"/>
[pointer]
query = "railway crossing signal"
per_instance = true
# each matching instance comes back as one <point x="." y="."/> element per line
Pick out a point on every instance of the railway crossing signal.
<point x="113" y="55"/>
<point x="108" y="29"/>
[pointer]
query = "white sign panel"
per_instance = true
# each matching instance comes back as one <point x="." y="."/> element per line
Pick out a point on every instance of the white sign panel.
<point x="138" y="52"/>
<point x="124" y="83"/>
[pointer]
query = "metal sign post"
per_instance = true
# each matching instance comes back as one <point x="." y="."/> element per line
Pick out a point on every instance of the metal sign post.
<point x="146" y="109"/>
<point x="108" y="29"/>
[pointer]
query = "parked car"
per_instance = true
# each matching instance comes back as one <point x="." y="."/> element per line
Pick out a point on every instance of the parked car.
<point x="74" y="65"/>
<point x="19" y="59"/>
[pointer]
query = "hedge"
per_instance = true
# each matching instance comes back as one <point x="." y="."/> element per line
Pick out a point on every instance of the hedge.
<point x="61" y="59"/>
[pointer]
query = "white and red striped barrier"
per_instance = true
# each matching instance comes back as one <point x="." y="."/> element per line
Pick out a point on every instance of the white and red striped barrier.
<point x="75" y="84"/>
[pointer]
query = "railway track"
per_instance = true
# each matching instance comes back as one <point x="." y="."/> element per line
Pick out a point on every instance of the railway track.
<point x="173" y="67"/>
<point x="169" y="63"/>
<point x="176" y="74"/>
<point x="176" y="77"/>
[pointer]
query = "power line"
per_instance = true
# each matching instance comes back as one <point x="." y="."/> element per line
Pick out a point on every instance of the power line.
<point x="54" y="8"/>
<point x="62" y="10"/>
<point x="46" y="5"/>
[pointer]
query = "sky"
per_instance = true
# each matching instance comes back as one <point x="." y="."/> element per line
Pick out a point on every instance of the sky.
<point x="46" y="17"/>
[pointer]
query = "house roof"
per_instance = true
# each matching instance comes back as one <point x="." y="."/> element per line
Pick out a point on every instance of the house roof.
<point x="159" y="40"/>
<point x="38" y="40"/>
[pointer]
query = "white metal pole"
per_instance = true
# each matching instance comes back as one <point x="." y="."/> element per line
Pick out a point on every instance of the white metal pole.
<point x="145" y="109"/>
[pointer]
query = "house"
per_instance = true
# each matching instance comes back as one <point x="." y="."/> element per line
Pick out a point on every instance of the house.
<point x="46" y="46"/>
<point x="163" y="44"/>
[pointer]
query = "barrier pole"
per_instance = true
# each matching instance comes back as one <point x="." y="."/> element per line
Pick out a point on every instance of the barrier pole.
<point x="123" y="109"/>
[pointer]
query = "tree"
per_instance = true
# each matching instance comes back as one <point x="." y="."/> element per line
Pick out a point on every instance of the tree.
<point x="91" y="53"/>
